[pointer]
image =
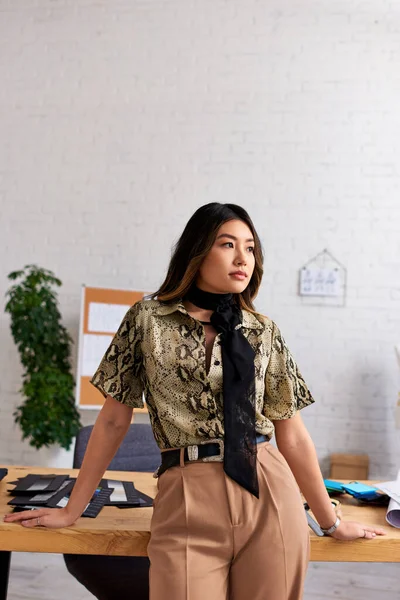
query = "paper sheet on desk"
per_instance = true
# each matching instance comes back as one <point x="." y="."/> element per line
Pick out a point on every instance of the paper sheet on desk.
<point x="392" y="489"/>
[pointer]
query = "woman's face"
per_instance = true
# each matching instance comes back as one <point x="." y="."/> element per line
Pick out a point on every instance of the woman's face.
<point x="231" y="254"/>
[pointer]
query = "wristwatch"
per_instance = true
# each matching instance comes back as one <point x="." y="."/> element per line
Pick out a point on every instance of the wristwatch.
<point x="333" y="528"/>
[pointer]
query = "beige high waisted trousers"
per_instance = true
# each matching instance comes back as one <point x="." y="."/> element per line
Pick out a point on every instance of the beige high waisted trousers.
<point x="212" y="540"/>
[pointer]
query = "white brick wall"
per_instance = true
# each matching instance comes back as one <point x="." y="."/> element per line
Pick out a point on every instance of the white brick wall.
<point x="119" y="119"/>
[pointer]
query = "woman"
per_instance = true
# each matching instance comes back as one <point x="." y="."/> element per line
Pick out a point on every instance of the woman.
<point x="218" y="380"/>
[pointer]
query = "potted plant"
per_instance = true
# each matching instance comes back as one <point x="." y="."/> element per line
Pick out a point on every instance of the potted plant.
<point x="48" y="414"/>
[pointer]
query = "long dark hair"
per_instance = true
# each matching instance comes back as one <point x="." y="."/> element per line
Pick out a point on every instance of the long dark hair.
<point x="195" y="243"/>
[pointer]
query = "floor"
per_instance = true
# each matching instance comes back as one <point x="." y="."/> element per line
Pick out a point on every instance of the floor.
<point x="44" y="577"/>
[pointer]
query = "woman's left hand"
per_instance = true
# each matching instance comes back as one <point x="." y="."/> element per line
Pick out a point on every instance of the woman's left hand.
<point x="350" y="530"/>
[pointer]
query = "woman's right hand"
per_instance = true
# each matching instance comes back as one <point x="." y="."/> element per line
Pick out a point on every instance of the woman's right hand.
<point x="52" y="518"/>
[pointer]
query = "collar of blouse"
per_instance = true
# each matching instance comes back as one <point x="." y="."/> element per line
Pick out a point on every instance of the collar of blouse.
<point x="249" y="321"/>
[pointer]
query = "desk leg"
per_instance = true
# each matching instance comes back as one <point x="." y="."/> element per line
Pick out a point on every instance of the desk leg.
<point x="5" y="560"/>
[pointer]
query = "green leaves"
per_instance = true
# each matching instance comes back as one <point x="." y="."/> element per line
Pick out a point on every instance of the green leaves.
<point x="48" y="415"/>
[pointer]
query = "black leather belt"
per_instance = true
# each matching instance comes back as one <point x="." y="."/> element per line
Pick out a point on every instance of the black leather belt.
<point x="208" y="451"/>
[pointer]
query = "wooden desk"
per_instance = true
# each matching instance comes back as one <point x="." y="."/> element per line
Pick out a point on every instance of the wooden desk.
<point x="126" y="532"/>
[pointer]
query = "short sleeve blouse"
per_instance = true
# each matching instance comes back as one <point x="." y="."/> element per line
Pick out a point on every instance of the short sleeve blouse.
<point x="159" y="352"/>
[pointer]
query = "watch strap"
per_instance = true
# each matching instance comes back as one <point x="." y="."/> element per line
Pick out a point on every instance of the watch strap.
<point x="331" y="529"/>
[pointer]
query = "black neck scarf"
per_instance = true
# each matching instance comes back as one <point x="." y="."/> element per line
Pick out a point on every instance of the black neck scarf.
<point x="240" y="453"/>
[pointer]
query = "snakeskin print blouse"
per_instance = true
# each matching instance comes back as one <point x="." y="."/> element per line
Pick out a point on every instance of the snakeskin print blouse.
<point x="159" y="352"/>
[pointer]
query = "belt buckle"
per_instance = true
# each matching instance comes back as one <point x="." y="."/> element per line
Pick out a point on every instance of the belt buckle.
<point x="193" y="452"/>
<point x="217" y="457"/>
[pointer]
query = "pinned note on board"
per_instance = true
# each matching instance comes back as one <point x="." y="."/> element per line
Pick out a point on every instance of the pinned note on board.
<point x="106" y="317"/>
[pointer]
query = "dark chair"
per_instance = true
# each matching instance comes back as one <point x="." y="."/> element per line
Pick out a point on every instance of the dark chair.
<point x="112" y="577"/>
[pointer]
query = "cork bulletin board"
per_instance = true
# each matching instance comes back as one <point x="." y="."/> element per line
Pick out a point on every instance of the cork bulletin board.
<point x="102" y="310"/>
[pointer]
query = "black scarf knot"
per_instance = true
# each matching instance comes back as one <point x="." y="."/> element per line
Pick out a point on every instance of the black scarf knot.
<point x="226" y="317"/>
